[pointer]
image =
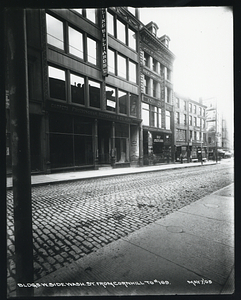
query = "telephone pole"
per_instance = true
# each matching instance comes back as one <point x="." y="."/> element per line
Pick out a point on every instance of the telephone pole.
<point x="16" y="42"/>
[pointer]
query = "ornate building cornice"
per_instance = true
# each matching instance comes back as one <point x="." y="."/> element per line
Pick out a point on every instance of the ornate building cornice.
<point x="127" y="16"/>
<point x="154" y="43"/>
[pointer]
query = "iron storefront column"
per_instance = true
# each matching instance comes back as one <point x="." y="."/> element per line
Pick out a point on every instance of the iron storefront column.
<point x="113" y="151"/>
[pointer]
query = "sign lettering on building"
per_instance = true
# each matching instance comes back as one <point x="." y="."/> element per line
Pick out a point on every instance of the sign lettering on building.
<point x="104" y="35"/>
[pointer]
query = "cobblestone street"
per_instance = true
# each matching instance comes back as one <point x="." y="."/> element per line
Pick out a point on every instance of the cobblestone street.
<point x="72" y="219"/>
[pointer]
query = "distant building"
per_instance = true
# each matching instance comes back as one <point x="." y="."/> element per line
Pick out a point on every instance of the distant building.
<point x="190" y="136"/>
<point x="214" y="127"/>
<point x="156" y="68"/>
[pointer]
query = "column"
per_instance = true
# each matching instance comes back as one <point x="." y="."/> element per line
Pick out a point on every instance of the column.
<point x="95" y="145"/>
<point x="113" y="151"/>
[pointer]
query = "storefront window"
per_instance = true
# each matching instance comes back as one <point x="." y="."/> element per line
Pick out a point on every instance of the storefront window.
<point x="121" y="61"/>
<point x="57" y="83"/>
<point x="121" y="31"/>
<point x="122" y="97"/>
<point x="91" y="51"/>
<point x="55" y="32"/>
<point x="90" y="14"/>
<point x="111" y="61"/>
<point x="76" y="43"/>
<point x="168" y="120"/>
<point x="133" y="105"/>
<point x="77" y="89"/>
<point x="132" y="39"/>
<point x="145" y="114"/>
<point x="110" y="98"/>
<point x="132" y="71"/>
<point x="94" y="93"/>
<point x="110" y="23"/>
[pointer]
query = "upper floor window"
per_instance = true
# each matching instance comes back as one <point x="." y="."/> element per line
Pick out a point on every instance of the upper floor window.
<point x="195" y="121"/>
<point x="133" y="105"/>
<point x="154" y="116"/>
<point x="111" y="61"/>
<point x="94" y="93"/>
<point x="132" y="71"/>
<point x="169" y="75"/>
<point x="91" y="14"/>
<point x="78" y="10"/>
<point x="57" y="83"/>
<point x="203" y="112"/>
<point x="154" y="65"/>
<point x="190" y="120"/>
<point x="131" y="39"/>
<point x="121" y="31"/>
<point x="169" y="95"/>
<point x="55" y="32"/>
<point x="122" y="97"/>
<point x="194" y="109"/>
<point x="146" y="59"/>
<point x="177" y="118"/>
<point x="184" y="119"/>
<point x="190" y="107"/>
<point x="177" y="102"/>
<point x="145" y="114"/>
<point x="168" y="119"/>
<point x="110" y="24"/>
<point x="91" y="51"/>
<point x="184" y="105"/>
<point x="159" y="118"/>
<point x="121" y="66"/>
<point x="198" y="122"/>
<point x="200" y="111"/>
<point x="76" y="43"/>
<point x="110" y="98"/>
<point x="77" y="89"/>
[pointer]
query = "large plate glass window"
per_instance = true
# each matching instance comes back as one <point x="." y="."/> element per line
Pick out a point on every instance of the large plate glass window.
<point x="121" y="65"/>
<point x="91" y="51"/>
<point x="76" y="43"/>
<point x="132" y="71"/>
<point x="94" y="93"/>
<point x="111" y="61"/>
<point x="159" y="118"/>
<point x="145" y="114"/>
<point x="110" y="98"/>
<point x="55" y="32"/>
<point x="78" y="10"/>
<point x="91" y="15"/>
<point x="57" y="83"/>
<point x="121" y="31"/>
<point x="110" y="24"/>
<point x="122" y="97"/>
<point x="133" y="105"/>
<point x="132" y="39"/>
<point x="154" y="116"/>
<point x="77" y="89"/>
<point x="168" y="120"/>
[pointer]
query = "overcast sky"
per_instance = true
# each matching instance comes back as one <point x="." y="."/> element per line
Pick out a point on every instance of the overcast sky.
<point x="202" y="41"/>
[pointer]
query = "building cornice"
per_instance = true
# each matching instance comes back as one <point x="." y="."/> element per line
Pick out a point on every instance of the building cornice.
<point x="148" y="37"/>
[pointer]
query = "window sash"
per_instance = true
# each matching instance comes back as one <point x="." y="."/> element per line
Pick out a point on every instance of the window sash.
<point x="76" y="43"/>
<point x="55" y="32"/>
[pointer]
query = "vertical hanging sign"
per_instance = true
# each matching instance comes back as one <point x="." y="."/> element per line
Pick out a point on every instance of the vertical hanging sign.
<point x="104" y="34"/>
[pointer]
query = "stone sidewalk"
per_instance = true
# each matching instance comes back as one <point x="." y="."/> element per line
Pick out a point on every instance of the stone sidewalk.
<point x="103" y="172"/>
<point x="190" y="251"/>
